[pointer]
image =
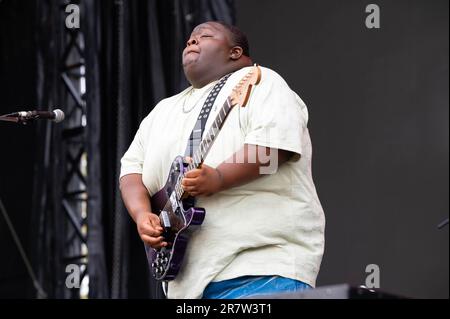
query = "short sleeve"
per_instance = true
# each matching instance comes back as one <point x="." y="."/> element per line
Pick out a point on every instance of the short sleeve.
<point x="132" y="161"/>
<point x="277" y="117"/>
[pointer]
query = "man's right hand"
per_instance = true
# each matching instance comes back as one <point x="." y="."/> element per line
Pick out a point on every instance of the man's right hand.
<point x="150" y="230"/>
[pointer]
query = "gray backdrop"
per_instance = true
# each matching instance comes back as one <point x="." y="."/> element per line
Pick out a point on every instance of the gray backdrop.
<point x="378" y="103"/>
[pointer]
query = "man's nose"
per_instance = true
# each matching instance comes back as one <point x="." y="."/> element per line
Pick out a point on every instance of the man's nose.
<point x="192" y="41"/>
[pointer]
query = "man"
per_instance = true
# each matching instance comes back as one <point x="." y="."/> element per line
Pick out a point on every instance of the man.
<point x="264" y="227"/>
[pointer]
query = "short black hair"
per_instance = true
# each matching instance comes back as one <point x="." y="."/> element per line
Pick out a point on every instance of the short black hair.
<point x="237" y="37"/>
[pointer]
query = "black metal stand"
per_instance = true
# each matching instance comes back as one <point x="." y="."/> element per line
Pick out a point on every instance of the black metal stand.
<point x="40" y="293"/>
<point x="7" y="118"/>
<point x="443" y="224"/>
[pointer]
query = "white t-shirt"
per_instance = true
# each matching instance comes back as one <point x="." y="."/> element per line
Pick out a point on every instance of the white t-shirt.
<point x="273" y="225"/>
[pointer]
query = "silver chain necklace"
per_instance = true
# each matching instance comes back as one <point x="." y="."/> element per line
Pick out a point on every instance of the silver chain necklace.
<point x="188" y="96"/>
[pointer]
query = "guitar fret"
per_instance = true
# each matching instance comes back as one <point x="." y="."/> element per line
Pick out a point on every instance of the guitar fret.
<point x="215" y="129"/>
<point x="227" y="105"/>
<point x="224" y="112"/>
<point x="202" y="148"/>
<point x="206" y="141"/>
<point x="196" y="159"/>
<point x="204" y="145"/>
<point x="178" y="187"/>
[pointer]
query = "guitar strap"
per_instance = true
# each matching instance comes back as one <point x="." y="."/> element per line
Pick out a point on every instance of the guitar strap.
<point x="197" y="132"/>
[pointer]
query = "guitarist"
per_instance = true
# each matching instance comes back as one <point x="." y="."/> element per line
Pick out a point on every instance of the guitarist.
<point x="264" y="227"/>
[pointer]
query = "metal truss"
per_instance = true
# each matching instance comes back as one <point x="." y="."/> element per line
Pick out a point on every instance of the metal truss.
<point x="72" y="82"/>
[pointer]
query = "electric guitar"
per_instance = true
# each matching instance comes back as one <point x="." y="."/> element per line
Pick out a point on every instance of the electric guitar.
<point x="176" y="209"/>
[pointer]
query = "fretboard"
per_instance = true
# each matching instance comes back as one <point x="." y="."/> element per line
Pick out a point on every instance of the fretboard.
<point x="207" y="141"/>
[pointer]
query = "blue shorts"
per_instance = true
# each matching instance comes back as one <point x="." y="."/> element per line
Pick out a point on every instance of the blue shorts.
<point x="250" y="286"/>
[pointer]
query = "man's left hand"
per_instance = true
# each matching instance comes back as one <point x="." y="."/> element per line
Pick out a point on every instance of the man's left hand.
<point x="202" y="181"/>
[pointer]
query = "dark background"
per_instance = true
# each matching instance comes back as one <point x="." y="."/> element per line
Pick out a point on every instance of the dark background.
<point x="17" y="150"/>
<point x="378" y="103"/>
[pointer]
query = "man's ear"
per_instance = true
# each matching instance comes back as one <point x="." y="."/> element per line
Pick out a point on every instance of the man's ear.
<point x="236" y="53"/>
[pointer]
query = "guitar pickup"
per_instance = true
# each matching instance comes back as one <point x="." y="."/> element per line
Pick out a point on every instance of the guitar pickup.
<point x="165" y="221"/>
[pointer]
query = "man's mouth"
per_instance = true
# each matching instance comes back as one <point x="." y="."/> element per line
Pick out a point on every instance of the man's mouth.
<point x="190" y="56"/>
<point x="192" y="51"/>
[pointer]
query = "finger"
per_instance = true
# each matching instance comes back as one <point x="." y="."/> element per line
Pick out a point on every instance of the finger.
<point x="193" y="173"/>
<point x="204" y="166"/>
<point x="154" y="242"/>
<point x="189" y="182"/>
<point x="190" y="189"/>
<point x="155" y="222"/>
<point x="150" y="231"/>
<point x="195" y="193"/>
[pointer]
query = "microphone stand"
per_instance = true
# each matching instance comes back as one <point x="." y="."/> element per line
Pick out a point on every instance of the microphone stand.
<point x="41" y="294"/>
<point x="5" y="118"/>
<point x="15" y="119"/>
<point x="443" y="224"/>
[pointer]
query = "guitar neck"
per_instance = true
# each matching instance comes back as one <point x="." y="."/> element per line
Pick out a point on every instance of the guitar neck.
<point x="209" y="138"/>
<point x="206" y="143"/>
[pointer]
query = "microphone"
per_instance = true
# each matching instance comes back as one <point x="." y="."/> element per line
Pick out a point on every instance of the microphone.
<point x="25" y="116"/>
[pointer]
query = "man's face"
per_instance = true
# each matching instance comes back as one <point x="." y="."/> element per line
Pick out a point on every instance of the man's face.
<point x="208" y="47"/>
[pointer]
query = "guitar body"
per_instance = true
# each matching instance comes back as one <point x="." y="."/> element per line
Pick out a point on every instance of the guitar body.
<point x="178" y="223"/>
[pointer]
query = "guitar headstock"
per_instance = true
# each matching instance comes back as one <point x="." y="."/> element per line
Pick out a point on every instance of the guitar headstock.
<point x="241" y="92"/>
